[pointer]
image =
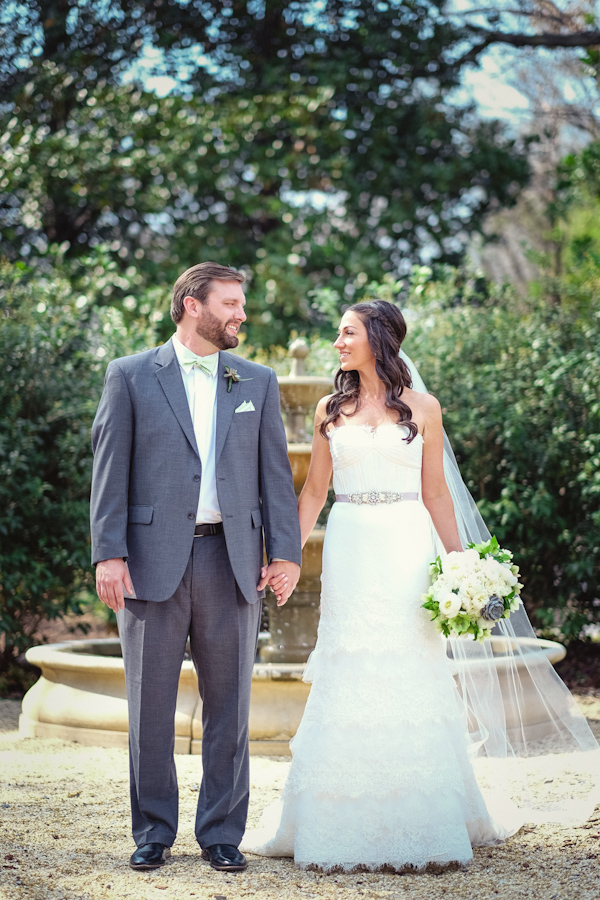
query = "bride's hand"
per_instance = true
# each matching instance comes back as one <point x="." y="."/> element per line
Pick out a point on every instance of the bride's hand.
<point x="282" y="577"/>
<point x="276" y="583"/>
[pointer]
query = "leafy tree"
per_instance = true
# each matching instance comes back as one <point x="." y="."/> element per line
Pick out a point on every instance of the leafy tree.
<point x="578" y="204"/>
<point x="562" y="237"/>
<point x="314" y="144"/>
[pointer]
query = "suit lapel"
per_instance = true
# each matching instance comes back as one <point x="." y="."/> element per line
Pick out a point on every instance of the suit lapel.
<point x="169" y="376"/>
<point x="226" y="402"/>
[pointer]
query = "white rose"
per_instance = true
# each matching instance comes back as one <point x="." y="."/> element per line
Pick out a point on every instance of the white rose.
<point x="470" y="604"/>
<point x="464" y="600"/>
<point x="470" y="557"/>
<point x="481" y="573"/>
<point x="475" y="592"/>
<point x="449" y="604"/>
<point x="440" y="586"/>
<point x="508" y="576"/>
<point x="494" y="577"/>
<point x="454" y="564"/>
<point x="474" y="606"/>
<point x="492" y="568"/>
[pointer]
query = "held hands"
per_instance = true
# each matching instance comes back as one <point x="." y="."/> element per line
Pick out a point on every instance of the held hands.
<point x="111" y="575"/>
<point x="282" y="577"/>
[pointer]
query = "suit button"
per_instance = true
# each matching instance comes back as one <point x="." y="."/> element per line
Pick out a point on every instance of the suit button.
<point x="191" y="516"/>
<point x="196" y="478"/>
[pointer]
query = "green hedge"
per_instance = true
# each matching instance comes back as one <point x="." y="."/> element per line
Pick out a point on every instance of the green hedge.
<point x="53" y="352"/>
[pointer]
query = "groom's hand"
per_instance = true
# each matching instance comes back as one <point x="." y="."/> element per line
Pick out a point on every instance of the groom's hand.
<point x="111" y="575"/>
<point x="282" y="577"/>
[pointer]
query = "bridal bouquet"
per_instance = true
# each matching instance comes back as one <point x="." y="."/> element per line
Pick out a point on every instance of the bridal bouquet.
<point x="471" y="590"/>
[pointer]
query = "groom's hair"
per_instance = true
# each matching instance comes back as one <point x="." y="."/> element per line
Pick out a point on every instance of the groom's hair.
<point x="196" y="282"/>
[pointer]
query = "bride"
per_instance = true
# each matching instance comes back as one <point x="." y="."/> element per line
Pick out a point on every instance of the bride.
<point x="382" y="772"/>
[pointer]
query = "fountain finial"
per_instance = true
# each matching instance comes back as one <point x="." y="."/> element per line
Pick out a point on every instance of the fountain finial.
<point x="298" y="351"/>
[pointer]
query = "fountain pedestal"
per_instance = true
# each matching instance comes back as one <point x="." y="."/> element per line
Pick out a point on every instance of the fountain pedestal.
<point x="293" y="627"/>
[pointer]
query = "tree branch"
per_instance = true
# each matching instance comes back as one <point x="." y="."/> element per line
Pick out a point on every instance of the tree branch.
<point x="575" y="39"/>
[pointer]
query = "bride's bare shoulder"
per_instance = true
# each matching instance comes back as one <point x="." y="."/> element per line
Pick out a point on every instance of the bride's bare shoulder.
<point x="426" y="404"/>
<point x="321" y="410"/>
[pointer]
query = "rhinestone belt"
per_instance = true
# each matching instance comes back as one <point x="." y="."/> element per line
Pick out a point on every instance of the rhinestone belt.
<point x="374" y="497"/>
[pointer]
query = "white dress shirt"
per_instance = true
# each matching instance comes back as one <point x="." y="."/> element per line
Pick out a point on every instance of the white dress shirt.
<point x="201" y="391"/>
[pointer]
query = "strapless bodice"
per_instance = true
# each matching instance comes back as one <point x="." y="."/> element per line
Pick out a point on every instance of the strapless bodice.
<point x="375" y="459"/>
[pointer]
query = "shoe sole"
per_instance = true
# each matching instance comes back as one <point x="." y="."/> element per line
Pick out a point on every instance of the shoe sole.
<point x="218" y="868"/>
<point x="145" y="866"/>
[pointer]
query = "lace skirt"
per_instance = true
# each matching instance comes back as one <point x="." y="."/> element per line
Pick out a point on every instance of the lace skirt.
<point x="380" y="773"/>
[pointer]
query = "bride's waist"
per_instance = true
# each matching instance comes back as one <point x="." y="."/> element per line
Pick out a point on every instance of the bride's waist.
<point x="411" y="516"/>
<point x="410" y="506"/>
<point x="377" y="485"/>
<point x="376" y="497"/>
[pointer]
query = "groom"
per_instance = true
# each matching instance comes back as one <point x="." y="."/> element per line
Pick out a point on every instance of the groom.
<point x="190" y="464"/>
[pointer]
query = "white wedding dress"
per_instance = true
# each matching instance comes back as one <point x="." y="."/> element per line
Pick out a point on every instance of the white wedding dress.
<point x="380" y="774"/>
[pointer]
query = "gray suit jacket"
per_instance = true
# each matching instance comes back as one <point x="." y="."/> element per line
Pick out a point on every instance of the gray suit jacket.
<point x="147" y="472"/>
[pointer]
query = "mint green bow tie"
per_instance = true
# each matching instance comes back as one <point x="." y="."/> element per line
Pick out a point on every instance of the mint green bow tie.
<point x="206" y="364"/>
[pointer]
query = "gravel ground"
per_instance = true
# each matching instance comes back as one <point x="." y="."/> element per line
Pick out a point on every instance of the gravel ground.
<point x="64" y="835"/>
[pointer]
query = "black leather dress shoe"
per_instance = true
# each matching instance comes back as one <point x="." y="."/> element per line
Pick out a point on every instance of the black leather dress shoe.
<point x="150" y="856"/>
<point x="225" y="858"/>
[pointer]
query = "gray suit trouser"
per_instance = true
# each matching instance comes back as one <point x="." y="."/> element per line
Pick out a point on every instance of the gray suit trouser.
<point x="223" y="630"/>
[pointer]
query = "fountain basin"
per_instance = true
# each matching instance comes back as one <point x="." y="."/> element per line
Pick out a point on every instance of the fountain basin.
<point x="527" y="659"/>
<point x="302" y="392"/>
<point x="81" y="697"/>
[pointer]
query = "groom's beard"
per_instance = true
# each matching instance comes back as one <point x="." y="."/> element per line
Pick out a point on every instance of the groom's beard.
<point x="212" y="329"/>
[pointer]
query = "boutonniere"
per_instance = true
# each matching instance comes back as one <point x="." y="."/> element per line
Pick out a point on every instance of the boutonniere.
<point x="233" y="376"/>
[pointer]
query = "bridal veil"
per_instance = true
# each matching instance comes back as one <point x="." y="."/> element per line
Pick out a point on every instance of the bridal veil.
<point x="532" y="748"/>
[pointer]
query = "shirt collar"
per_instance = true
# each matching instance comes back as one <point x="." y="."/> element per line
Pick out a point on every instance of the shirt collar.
<point x="179" y="351"/>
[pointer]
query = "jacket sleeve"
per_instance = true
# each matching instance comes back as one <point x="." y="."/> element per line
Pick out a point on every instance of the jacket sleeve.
<point x="112" y="435"/>
<point x="279" y="506"/>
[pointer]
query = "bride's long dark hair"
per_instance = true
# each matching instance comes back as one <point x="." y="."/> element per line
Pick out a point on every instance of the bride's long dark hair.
<point x="386" y="329"/>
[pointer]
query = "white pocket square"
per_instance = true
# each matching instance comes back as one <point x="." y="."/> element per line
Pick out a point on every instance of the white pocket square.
<point x="246" y="406"/>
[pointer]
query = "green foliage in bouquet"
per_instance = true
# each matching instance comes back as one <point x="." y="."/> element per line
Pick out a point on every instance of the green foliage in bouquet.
<point x="491" y="548"/>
